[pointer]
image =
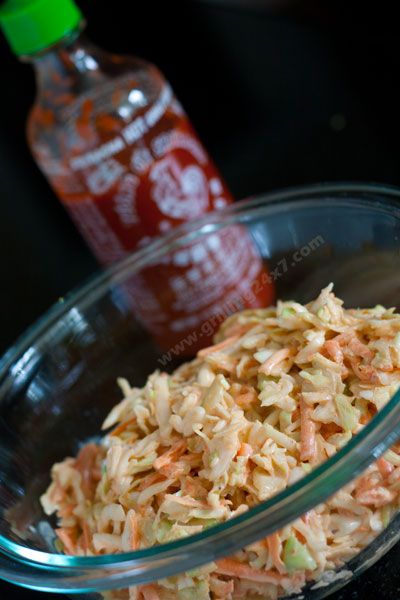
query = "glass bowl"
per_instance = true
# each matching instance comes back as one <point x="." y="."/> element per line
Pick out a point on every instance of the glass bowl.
<point x="58" y="382"/>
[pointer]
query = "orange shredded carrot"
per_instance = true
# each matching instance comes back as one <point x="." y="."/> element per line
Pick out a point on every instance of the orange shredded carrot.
<point x="149" y="480"/>
<point x="150" y="592"/>
<point x="135" y="537"/>
<point x="365" y="418"/>
<point x="359" y="348"/>
<point x="334" y="350"/>
<point x="234" y="568"/>
<point x="239" y="330"/>
<point x="307" y="433"/>
<point x="123" y="426"/>
<point x="274" y="547"/>
<point x="274" y="360"/>
<point x="85" y="535"/>
<point x="173" y="470"/>
<point x="84" y="464"/>
<point x="364" y="372"/>
<point x="384" y="466"/>
<point x="66" y="511"/>
<point x="217" y="347"/>
<point x="348" y="344"/>
<point x="246" y="399"/>
<point x="377" y="497"/>
<point x="328" y="429"/>
<point x="171" y="454"/>
<point x="364" y="483"/>
<point x="57" y="494"/>
<point x="245" y="450"/>
<point x="66" y="535"/>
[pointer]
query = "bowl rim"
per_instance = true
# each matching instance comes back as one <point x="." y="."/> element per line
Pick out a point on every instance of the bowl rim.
<point x="322" y="482"/>
<point x="291" y="196"/>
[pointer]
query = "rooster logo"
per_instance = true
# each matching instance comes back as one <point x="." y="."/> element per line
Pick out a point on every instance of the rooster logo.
<point x="180" y="192"/>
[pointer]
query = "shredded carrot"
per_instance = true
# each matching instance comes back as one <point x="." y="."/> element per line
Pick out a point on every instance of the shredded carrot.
<point x="328" y="429"/>
<point x="239" y="330"/>
<point x="295" y="415"/>
<point x="217" y="347"/>
<point x="173" y="470"/>
<point x="333" y="349"/>
<point x="149" y="480"/>
<point x="247" y="399"/>
<point x="376" y="497"/>
<point x="66" y="535"/>
<point x="347" y="344"/>
<point x="234" y="568"/>
<point x="274" y="547"/>
<point x="190" y="502"/>
<point x="150" y="592"/>
<point x="123" y="426"/>
<point x="274" y="360"/>
<point x="66" y="511"/>
<point x="57" y="494"/>
<point x="364" y="372"/>
<point x="84" y="464"/>
<point x="359" y="348"/>
<point x="223" y="362"/>
<point x="135" y="537"/>
<point x="245" y="450"/>
<point x="364" y="483"/>
<point x="85" y="535"/>
<point x="307" y="433"/>
<point x="172" y="454"/>
<point x="210" y="455"/>
<point x="385" y="467"/>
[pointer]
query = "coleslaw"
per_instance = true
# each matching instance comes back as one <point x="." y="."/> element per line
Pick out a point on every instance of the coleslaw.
<point x="280" y="391"/>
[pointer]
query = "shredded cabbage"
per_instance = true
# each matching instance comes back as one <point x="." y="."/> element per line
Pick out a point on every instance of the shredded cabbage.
<point x="281" y="391"/>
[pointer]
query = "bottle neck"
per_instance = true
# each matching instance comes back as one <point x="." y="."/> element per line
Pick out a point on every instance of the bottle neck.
<point x="72" y="58"/>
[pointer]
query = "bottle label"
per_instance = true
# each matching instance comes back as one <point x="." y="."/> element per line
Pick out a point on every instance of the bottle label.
<point x="140" y="180"/>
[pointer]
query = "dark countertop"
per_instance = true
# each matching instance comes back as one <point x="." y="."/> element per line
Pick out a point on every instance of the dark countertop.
<point x="299" y="92"/>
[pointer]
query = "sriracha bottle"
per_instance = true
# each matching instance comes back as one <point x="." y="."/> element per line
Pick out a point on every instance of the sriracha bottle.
<point x="123" y="158"/>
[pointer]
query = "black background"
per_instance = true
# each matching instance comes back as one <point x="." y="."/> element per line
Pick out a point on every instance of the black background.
<point x="282" y="92"/>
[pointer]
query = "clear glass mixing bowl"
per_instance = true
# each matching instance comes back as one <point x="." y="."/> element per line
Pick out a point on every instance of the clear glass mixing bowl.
<point x="58" y="382"/>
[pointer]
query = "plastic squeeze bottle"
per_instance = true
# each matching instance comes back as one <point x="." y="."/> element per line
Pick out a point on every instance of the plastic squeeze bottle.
<point x="123" y="158"/>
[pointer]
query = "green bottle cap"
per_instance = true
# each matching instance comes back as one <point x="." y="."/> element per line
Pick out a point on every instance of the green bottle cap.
<point x="33" y="25"/>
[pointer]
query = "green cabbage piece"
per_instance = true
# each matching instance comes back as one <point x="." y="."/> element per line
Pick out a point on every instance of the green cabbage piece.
<point x="285" y="419"/>
<point x="199" y="592"/>
<point x="386" y="515"/>
<point x="296" y="556"/>
<point x="349" y="415"/>
<point x="163" y="529"/>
